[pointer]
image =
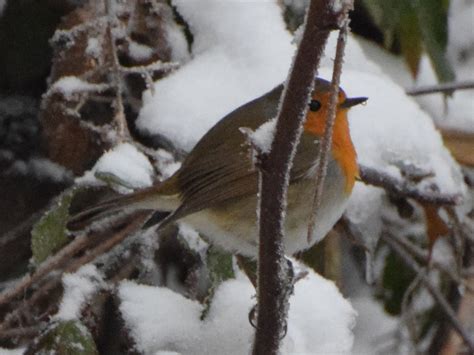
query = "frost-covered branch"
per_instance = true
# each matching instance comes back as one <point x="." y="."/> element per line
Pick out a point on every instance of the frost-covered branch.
<point x="272" y="292"/>
<point x="52" y="263"/>
<point x="56" y="264"/>
<point x="441" y="88"/>
<point x="400" y="188"/>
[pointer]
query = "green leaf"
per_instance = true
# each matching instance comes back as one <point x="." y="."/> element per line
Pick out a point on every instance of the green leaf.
<point x="220" y="266"/>
<point x="395" y="281"/>
<point x="418" y="25"/>
<point x="67" y="338"/>
<point x="49" y="233"/>
<point x="433" y="19"/>
<point x="410" y="40"/>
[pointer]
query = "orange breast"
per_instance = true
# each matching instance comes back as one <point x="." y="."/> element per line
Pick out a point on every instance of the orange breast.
<point x="342" y="148"/>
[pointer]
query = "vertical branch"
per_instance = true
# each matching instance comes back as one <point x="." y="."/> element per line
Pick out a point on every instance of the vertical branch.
<point x="326" y="141"/>
<point x="119" y="117"/>
<point x="322" y="17"/>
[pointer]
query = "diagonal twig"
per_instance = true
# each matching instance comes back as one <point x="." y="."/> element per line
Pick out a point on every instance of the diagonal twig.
<point x="90" y="256"/>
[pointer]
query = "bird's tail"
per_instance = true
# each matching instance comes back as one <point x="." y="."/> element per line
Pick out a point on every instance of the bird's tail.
<point x="148" y="199"/>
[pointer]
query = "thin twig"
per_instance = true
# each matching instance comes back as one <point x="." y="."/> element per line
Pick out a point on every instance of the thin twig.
<point x="440" y="88"/>
<point x="423" y="256"/>
<point x="90" y="256"/>
<point x="371" y="176"/>
<point x="109" y="243"/>
<point x="45" y="268"/>
<point x="435" y="293"/>
<point x="407" y="313"/>
<point x="326" y="141"/>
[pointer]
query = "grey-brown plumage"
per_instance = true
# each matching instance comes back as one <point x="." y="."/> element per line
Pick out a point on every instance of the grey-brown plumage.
<point x="215" y="189"/>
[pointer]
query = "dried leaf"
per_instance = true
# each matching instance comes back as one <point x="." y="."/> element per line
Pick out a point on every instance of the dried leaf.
<point x="435" y="226"/>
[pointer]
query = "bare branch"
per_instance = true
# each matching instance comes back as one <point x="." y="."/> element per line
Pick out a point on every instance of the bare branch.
<point x="435" y="293"/>
<point x="326" y="141"/>
<point x="44" y="269"/>
<point x="407" y="312"/>
<point x="424" y="257"/>
<point x="399" y="188"/>
<point x="440" y="88"/>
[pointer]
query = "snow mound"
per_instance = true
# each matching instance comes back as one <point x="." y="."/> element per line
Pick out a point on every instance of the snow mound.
<point x="240" y="51"/>
<point x="320" y="319"/>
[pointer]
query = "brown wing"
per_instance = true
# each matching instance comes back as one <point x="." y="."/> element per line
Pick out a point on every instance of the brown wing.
<point x="218" y="169"/>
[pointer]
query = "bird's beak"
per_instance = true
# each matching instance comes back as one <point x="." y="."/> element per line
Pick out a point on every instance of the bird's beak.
<point x="352" y="101"/>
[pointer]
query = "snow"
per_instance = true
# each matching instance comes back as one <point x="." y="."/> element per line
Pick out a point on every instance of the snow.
<point x="263" y="136"/>
<point x="177" y="41"/>
<point x="193" y="239"/>
<point x="19" y="351"/>
<point x="70" y="85"/>
<point x="42" y="169"/>
<point x="454" y="113"/>
<point x="165" y="163"/>
<point x="125" y="163"/>
<point x="139" y="51"/>
<point x="94" y="47"/>
<point x="78" y="289"/>
<point x="47" y="169"/>
<point x="375" y="330"/>
<point x="240" y="51"/>
<point x="320" y="319"/>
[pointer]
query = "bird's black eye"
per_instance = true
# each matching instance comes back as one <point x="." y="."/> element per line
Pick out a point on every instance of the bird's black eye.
<point x="314" y="105"/>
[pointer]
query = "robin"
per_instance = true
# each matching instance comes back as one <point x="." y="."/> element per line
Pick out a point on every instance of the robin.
<point x="215" y="190"/>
